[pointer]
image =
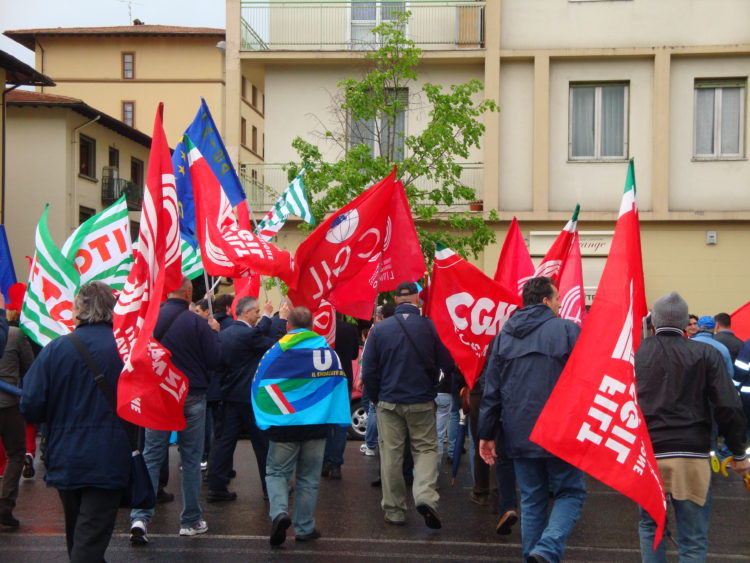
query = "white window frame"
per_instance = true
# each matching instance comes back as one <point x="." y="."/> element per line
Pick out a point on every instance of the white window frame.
<point x="717" y="154"/>
<point x="597" y="157"/>
<point x="376" y="41"/>
<point x="375" y="150"/>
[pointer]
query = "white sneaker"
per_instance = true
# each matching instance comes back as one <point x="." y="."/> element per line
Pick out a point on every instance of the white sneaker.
<point x="204" y="465"/>
<point x="138" y="533"/>
<point x="198" y="528"/>
<point x="367" y="450"/>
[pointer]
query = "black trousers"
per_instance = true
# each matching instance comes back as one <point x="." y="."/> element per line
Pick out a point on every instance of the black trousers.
<point x="90" y="515"/>
<point x="235" y="417"/>
<point x="13" y="434"/>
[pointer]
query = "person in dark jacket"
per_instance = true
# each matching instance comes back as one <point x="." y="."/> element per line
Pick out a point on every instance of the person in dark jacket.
<point x="523" y="366"/>
<point x="725" y="335"/>
<point x="194" y="345"/>
<point x="88" y="451"/>
<point x="680" y="383"/>
<point x="242" y="346"/>
<point x="400" y="370"/>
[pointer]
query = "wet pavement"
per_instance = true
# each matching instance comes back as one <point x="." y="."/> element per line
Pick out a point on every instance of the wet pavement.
<point x="351" y="521"/>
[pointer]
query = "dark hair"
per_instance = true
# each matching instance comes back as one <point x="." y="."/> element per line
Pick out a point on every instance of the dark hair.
<point x="300" y="317"/>
<point x="723" y="319"/>
<point x="221" y="302"/>
<point x="536" y="289"/>
<point x="388" y="310"/>
<point x="95" y="303"/>
<point x="245" y="304"/>
<point x="203" y="304"/>
<point x="693" y="317"/>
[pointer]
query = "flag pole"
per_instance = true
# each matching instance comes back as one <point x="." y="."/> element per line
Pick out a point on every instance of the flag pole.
<point x="209" y="292"/>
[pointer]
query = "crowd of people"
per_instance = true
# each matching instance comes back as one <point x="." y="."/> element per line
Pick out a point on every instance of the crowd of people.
<point x="692" y="380"/>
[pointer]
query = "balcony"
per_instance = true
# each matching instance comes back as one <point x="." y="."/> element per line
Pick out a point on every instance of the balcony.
<point x="279" y="25"/>
<point x="113" y="188"/>
<point x="264" y="183"/>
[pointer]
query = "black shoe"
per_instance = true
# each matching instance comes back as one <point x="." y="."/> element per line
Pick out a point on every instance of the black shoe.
<point x="505" y="524"/>
<point x="278" y="529"/>
<point x="7" y="519"/>
<point x="314" y="535"/>
<point x="163" y="496"/>
<point x="377" y="483"/>
<point x="232" y="474"/>
<point x="536" y="558"/>
<point x="430" y="516"/>
<point x="335" y="472"/>
<point x="28" y="466"/>
<point x="326" y="471"/>
<point x="220" y="496"/>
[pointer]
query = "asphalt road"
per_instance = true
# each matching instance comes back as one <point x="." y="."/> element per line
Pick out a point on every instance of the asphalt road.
<point x="351" y="521"/>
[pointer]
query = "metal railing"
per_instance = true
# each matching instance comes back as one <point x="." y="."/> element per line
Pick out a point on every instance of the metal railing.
<point x="265" y="182"/>
<point x="113" y="188"/>
<point x="334" y="25"/>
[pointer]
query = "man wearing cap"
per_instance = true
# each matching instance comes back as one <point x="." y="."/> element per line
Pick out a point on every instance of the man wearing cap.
<point x="678" y="381"/>
<point x="706" y="325"/>
<point x="400" y="368"/>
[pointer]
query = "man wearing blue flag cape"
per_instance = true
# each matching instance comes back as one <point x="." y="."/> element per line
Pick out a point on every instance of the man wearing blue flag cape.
<point x="298" y="391"/>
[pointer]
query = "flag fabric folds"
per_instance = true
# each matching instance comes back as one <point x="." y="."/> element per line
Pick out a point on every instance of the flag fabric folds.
<point x="592" y="419"/>
<point x="514" y="266"/>
<point x="7" y="271"/>
<point x="192" y="265"/>
<point x="47" y="310"/>
<point x="151" y="390"/>
<point x="300" y="381"/>
<point x="324" y="322"/>
<point x="554" y="261"/>
<point x="468" y="308"/>
<point x="292" y="201"/>
<point x="570" y="285"/>
<point x="741" y="322"/>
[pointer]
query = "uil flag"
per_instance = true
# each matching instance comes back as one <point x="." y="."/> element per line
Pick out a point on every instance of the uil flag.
<point x="468" y="309"/>
<point x="151" y="390"/>
<point x="592" y="419"/>
<point x="292" y="201"/>
<point x="572" y="296"/>
<point x="554" y="260"/>
<point x="368" y="246"/>
<point x="514" y="267"/>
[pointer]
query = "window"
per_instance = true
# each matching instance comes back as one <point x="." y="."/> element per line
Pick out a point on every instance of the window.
<point x="128" y="65"/>
<point x="114" y="157"/>
<point x="719" y="119"/>
<point x="128" y="113"/>
<point x="384" y="135"/>
<point x="254" y="140"/>
<point x="366" y="15"/>
<point x="598" y="122"/>
<point x="86" y="156"/>
<point x="84" y="213"/>
<point x="136" y="171"/>
<point x="254" y="99"/>
<point x="243" y="87"/>
<point x="243" y="131"/>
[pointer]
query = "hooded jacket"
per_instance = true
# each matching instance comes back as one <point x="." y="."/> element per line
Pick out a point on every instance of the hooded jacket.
<point x="523" y="366"/>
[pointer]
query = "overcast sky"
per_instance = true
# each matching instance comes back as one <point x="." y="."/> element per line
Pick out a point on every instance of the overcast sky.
<point x="27" y="14"/>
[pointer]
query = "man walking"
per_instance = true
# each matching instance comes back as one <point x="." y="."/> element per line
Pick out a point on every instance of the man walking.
<point x="523" y="366"/>
<point x="194" y="345"/>
<point x="680" y="383"/>
<point x="400" y="368"/>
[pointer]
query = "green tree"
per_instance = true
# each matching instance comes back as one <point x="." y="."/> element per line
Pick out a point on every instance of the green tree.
<point x="370" y="113"/>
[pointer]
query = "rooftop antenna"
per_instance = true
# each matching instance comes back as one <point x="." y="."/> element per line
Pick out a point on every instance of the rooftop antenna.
<point x="130" y="4"/>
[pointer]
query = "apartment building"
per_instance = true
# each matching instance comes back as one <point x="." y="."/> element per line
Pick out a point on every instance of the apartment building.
<point x="582" y="85"/>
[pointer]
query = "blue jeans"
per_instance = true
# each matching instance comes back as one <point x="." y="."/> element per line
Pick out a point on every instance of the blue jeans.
<point x="335" y="446"/>
<point x="692" y="532"/>
<point x="190" y="441"/>
<point x="453" y="425"/>
<point x="371" y="432"/>
<point x="540" y="534"/>
<point x="442" y="418"/>
<point x="283" y="459"/>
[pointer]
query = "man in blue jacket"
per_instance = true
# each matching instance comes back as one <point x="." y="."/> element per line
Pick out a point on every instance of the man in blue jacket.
<point x="242" y="346"/>
<point x="523" y="366"/>
<point x="400" y="369"/>
<point x="194" y="344"/>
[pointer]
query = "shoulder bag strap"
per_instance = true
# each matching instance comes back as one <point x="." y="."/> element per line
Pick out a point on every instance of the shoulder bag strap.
<point x="428" y="366"/>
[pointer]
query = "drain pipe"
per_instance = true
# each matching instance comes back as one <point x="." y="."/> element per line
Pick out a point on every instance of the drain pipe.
<point x="73" y="198"/>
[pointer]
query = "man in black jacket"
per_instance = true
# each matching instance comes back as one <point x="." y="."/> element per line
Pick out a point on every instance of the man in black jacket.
<point x="680" y="382"/>
<point x="400" y="370"/>
<point x="242" y="346"/>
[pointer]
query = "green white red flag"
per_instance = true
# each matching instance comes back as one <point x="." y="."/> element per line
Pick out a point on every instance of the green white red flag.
<point x="292" y="201"/>
<point x="592" y="419"/>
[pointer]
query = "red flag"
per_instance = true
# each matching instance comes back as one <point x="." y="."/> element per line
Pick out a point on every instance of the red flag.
<point x="468" y="309"/>
<point x="250" y="284"/>
<point x="741" y="322"/>
<point x="151" y="390"/>
<point x="349" y="258"/>
<point x="592" y="419"/>
<point x="324" y="322"/>
<point x="226" y="248"/>
<point x="514" y="267"/>
<point x="554" y="261"/>
<point x="572" y="296"/>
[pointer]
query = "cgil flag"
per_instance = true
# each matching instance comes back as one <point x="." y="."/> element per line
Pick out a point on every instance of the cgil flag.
<point x="468" y="309"/>
<point x="592" y="419"/>
<point x="570" y="285"/>
<point x="554" y="261"/>
<point x="292" y="201"/>
<point x="47" y="310"/>
<point x="514" y="266"/>
<point x="151" y="390"/>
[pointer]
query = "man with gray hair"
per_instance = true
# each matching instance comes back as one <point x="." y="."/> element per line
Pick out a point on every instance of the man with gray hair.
<point x="682" y="384"/>
<point x="243" y="344"/>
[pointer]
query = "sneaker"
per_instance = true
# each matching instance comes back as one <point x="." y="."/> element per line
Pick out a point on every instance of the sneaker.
<point x="368" y="451"/>
<point x="431" y="518"/>
<point x="478" y="498"/>
<point x="204" y="465"/>
<point x="28" y="466"/>
<point x="220" y="496"/>
<point x="138" y="533"/>
<point x="163" y="496"/>
<point x="278" y="529"/>
<point x="505" y="524"/>
<point x="7" y="519"/>
<point x="335" y="472"/>
<point x="200" y="527"/>
<point x="314" y="535"/>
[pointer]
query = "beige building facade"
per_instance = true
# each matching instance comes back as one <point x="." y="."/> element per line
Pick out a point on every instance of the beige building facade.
<point x="582" y="86"/>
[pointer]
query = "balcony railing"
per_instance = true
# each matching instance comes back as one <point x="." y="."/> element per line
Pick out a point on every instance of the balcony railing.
<point x="113" y="188"/>
<point x="264" y="183"/>
<point x="334" y="25"/>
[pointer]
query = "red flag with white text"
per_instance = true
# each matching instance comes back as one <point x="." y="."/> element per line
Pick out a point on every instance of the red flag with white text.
<point x="554" y="261"/>
<point x="151" y="390"/>
<point x="468" y="309"/>
<point x="324" y="322"/>
<point x="570" y="285"/>
<point x="514" y="266"/>
<point x="592" y="419"/>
